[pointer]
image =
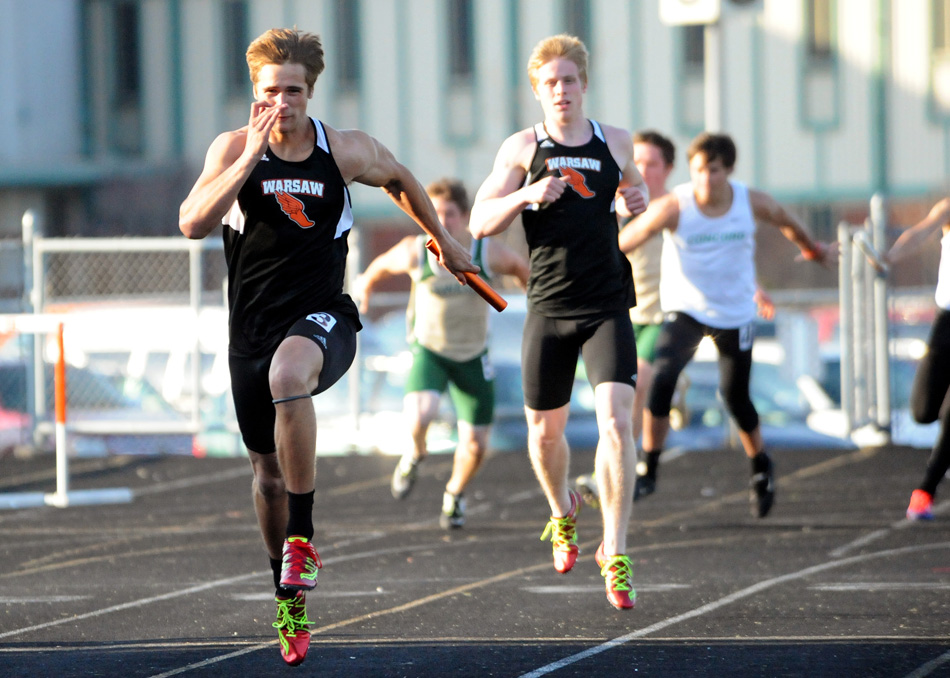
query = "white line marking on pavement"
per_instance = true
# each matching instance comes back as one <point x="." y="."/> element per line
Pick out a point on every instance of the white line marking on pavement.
<point x="866" y="539"/>
<point x="882" y="586"/>
<point x="9" y="600"/>
<point x="229" y="581"/>
<point x="930" y="666"/>
<point x="192" y="481"/>
<point x="136" y="603"/>
<point x="257" y="597"/>
<point x="724" y="601"/>
<point x="641" y="588"/>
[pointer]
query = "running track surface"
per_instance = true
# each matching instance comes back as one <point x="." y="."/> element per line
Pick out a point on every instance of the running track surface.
<point x="833" y="583"/>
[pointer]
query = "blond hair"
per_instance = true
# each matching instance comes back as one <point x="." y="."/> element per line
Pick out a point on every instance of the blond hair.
<point x="286" y="45"/>
<point x="561" y="46"/>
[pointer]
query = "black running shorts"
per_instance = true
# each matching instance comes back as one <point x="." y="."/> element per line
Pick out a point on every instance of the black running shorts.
<point x="250" y="386"/>
<point x="550" y="348"/>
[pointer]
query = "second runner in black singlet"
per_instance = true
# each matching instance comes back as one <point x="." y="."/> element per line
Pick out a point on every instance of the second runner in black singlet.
<point x="577" y="268"/>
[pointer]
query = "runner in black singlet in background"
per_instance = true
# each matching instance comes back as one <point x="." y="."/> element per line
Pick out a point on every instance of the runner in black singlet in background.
<point x="567" y="177"/>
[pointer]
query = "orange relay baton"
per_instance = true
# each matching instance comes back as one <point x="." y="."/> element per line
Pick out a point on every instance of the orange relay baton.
<point x="483" y="289"/>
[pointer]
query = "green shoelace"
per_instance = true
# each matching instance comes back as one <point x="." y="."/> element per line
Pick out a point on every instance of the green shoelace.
<point x="289" y="621"/>
<point x="620" y="569"/>
<point x="562" y="532"/>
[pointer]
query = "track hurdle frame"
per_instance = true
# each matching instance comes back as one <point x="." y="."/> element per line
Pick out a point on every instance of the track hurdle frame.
<point x="63" y="497"/>
<point x="865" y="359"/>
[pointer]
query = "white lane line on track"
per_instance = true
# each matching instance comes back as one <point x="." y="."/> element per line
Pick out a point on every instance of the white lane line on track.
<point x="641" y="588"/>
<point x="930" y="666"/>
<point x="183" y="483"/>
<point x="870" y="537"/>
<point x="724" y="601"/>
<point x="135" y="603"/>
<point x="229" y="581"/>
<point x="259" y="597"/>
<point x="9" y="600"/>
<point x="881" y="586"/>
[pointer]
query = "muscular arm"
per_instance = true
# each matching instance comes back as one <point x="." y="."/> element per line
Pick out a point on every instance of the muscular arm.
<point x="363" y="159"/>
<point x="502" y="196"/>
<point x="229" y="162"/>
<point x="633" y="196"/>
<point x="768" y="210"/>
<point x="400" y="259"/>
<point x="911" y="240"/>
<point x="663" y="213"/>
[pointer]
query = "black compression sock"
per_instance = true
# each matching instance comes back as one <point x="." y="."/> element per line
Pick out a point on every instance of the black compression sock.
<point x="652" y="462"/>
<point x="280" y="591"/>
<point x="300" y="523"/>
<point x="760" y="463"/>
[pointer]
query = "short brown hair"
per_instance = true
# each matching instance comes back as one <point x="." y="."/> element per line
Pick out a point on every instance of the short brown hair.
<point x="452" y="190"/>
<point x="714" y="147"/>
<point x="654" y="138"/>
<point x="561" y="46"/>
<point x="286" y="45"/>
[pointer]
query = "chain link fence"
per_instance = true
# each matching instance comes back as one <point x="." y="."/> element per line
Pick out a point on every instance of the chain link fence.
<point x="146" y="345"/>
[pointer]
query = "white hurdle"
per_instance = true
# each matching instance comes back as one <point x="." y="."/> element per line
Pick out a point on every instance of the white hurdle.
<point x="63" y="496"/>
<point x="865" y="362"/>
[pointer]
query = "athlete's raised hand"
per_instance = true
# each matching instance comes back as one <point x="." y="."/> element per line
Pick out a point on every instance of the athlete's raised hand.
<point x="263" y="118"/>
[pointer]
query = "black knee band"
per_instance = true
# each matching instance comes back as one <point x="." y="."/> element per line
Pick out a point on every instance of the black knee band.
<point x="288" y="399"/>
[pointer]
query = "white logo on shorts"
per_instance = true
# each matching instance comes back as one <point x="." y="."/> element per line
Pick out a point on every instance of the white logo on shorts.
<point x="324" y="320"/>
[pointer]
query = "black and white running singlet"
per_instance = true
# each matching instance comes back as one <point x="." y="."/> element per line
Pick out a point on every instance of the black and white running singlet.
<point x="577" y="268"/>
<point x="285" y="243"/>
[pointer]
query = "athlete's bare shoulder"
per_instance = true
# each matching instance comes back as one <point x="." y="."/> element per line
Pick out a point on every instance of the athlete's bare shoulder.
<point x="517" y="150"/>
<point x="620" y="143"/>
<point x="616" y="133"/>
<point x="355" y="152"/>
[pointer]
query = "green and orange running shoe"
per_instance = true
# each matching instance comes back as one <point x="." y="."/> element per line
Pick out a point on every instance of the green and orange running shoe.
<point x="617" y="572"/>
<point x="292" y="628"/>
<point x="299" y="564"/>
<point x="563" y="535"/>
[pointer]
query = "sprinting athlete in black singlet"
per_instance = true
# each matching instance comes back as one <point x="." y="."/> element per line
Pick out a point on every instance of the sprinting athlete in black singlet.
<point x="566" y="178"/>
<point x="280" y="183"/>
<point x="286" y="247"/>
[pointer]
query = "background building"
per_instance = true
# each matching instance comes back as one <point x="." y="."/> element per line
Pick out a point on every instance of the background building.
<point x="109" y="105"/>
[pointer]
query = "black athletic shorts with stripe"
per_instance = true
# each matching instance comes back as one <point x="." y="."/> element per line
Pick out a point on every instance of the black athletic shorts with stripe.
<point x="334" y="333"/>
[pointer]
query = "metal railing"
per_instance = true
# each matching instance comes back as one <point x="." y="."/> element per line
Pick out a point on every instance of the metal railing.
<point x="865" y="359"/>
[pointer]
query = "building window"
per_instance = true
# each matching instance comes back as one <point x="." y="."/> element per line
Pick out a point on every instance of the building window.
<point x="462" y="41"/>
<point x="127" y="53"/>
<point x="236" y="39"/>
<point x="348" y="44"/>
<point x="577" y="19"/>
<point x="819" y="28"/>
<point x="691" y="80"/>
<point x="940" y="59"/>
<point x="694" y="48"/>
<point x="125" y="128"/>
